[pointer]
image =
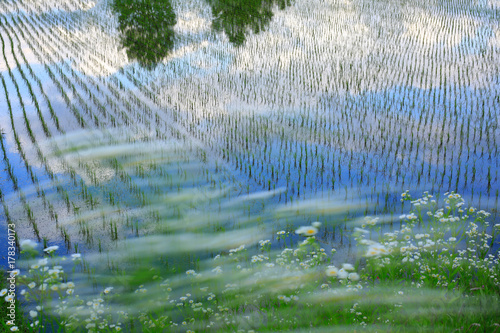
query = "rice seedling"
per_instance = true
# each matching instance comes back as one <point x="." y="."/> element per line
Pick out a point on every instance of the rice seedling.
<point x="32" y="95"/>
<point x="317" y="96"/>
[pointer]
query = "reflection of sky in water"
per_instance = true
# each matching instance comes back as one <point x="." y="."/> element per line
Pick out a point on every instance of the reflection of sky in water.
<point x="335" y="62"/>
<point x="334" y="59"/>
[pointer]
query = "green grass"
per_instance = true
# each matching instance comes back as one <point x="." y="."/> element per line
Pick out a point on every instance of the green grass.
<point x="432" y="273"/>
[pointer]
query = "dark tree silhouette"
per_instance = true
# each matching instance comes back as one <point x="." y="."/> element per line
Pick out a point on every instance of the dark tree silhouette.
<point x="147" y="29"/>
<point x="146" y="26"/>
<point x="237" y="17"/>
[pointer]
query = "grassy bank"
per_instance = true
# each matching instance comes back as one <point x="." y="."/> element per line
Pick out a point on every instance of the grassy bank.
<point x="433" y="271"/>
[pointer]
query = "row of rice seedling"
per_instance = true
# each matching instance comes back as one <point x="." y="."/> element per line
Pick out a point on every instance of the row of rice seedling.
<point x="305" y="159"/>
<point x="299" y="182"/>
<point x="69" y="82"/>
<point x="17" y="140"/>
<point x="155" y="177"/>
<point x="398" y="144"/>
<point x="13" y="177"/>
<point x="113" y="102"/>
<point x="29" y="210"/>
<point x="395" y="144"/>
<point x="47" y="101"/>
<point x="22" y="105"/>
<point x="8" y="166"/>
<point x="46" y="130"/>
<point x="28" y="84"/>
<point x="75" y="111"/>
<point x="67" y="201"/>
<point x="65" y="196"/>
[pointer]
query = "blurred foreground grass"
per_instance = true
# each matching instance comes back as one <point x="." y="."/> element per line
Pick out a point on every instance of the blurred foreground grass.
<point x="203" y="262"/>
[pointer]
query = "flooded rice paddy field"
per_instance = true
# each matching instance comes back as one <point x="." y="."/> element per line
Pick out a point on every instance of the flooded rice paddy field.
<point x="355" y="101"/>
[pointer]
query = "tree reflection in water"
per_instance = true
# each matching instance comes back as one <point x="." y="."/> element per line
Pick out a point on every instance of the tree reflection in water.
<point x="237" y="17"/>
<point x="146" y="26"/>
